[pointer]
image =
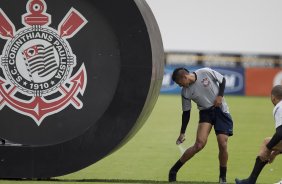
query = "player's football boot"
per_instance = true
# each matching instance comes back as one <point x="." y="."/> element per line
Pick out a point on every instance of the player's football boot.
<point x="172" y="176"/>
<point x="245" y="181"/>
<point x="222" y="180"/>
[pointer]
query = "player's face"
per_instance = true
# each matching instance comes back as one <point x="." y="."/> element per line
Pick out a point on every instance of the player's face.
<point x="183" y="81"/>
<point x="273" y="99"/>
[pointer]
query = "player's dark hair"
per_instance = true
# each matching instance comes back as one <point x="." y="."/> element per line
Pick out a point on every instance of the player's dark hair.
<point x="277" y="91"/>
<point x="176" y="73"/>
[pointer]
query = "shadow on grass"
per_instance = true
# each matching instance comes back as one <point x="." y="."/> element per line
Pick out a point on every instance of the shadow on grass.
<point x="112" y="181"/>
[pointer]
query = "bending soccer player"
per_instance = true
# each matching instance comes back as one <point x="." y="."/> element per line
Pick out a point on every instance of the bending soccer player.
<point x="270" y="147"/>
<point x="206" y="88"/>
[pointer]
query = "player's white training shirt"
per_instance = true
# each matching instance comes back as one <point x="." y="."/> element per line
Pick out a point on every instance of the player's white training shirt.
<point x="277" y="114"/>
<point x="204" y="91"/>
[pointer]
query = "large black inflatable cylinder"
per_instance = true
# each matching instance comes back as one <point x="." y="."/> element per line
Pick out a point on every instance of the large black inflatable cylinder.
<point x="78" y="78"/>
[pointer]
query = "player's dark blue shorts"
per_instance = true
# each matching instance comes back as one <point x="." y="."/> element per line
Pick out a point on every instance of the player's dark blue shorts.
<point x="221" y="121"/>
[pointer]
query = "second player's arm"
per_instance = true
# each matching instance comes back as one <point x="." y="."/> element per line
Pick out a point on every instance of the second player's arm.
<point x="277" y="137"/>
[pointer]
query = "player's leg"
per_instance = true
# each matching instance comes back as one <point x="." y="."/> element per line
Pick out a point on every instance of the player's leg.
<point x="276" y="150"/>
<point x="263" y="158"/>
<point x="264" y="152"/>
<point x="222" y="140"/>
<point x="201" y="140"/>
<point x="223" y="127"/>
<point x="260" y="162"/>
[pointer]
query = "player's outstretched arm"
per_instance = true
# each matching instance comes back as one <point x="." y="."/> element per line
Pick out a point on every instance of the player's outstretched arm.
<point x="185" y="121"/>
<point x="277" y="137"/>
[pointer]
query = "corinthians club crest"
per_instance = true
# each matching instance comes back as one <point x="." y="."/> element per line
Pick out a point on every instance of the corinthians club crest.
<point x="37" y="62"/>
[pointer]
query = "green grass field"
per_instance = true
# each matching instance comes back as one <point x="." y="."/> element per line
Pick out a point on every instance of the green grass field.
<point x="148" y="157"/>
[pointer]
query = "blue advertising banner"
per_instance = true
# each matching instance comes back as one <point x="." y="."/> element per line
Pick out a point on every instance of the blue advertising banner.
<point x="235" y="79"/>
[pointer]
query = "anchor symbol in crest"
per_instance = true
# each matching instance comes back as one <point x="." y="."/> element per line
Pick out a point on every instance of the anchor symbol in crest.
<point x="37" y="63"/>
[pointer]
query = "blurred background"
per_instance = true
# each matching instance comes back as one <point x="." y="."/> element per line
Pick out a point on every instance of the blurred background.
<point x="251" y="26"/>
<point x="242" y="39"/>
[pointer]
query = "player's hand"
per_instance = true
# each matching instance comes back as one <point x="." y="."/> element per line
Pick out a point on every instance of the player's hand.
<point x="273" y="156"/>
<point x="180" y="139"/>
<point x="218" y="101"/>
<point x="265" y="154"/>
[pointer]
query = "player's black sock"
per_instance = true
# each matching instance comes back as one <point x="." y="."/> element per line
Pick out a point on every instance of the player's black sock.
<point x="222" y="172"/>
<point x="173" y="171"/>
<point x="176" y="166"/>
<point x="259" y="165"/>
